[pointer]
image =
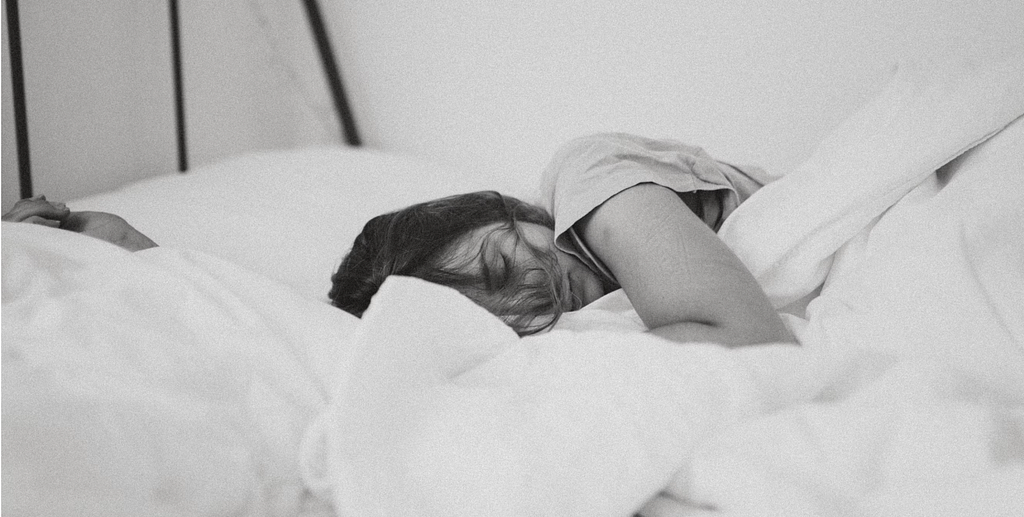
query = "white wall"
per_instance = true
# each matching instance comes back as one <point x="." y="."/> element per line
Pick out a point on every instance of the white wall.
<point x="496" y="86"/>
<point x="253" y="79"/>
<point x="98" y="94"/>
<point x="489" y="86"/>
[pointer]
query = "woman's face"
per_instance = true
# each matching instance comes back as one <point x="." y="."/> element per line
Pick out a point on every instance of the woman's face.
<point x="583" y="284"/>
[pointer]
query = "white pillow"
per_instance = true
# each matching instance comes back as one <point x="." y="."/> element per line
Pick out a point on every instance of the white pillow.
<point x="289" y="215"/>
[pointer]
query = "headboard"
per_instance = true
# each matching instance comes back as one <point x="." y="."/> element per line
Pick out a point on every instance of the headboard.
<point x="318" y="31"/>
<point x="488" y="87"/>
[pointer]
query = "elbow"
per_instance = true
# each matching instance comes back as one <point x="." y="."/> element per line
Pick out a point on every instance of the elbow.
<point x="765" y="330"/>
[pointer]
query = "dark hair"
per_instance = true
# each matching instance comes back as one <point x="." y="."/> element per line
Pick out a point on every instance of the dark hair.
<point x="419" y="241"/>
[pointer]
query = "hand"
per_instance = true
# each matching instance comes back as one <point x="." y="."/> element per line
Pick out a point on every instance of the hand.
<point x="107" y="227"/>
<point x="100" y="225"/>
<point x="37" y="210"/>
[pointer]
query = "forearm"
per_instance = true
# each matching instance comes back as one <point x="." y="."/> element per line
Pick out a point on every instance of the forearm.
<point x="736" y="310"/>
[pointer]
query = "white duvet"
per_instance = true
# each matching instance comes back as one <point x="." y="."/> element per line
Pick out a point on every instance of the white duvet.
<point x="905" y="398"/>
<point x="161" y="383"/>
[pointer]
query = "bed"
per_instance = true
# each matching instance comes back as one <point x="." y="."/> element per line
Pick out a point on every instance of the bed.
<point x="210" y="377"/>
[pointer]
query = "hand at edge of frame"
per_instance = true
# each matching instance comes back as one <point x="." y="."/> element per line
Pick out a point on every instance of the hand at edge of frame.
<point x="100" y="225"/>
<point x="37" y="210"/>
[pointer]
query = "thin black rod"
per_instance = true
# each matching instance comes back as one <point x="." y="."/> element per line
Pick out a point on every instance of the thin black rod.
<point x="18" y="92"/>
<point x="179" y="87"/>
<point x="323" y="44"/>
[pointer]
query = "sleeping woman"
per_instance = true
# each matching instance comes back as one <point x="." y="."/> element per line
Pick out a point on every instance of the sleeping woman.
<point x="628" y="212"/>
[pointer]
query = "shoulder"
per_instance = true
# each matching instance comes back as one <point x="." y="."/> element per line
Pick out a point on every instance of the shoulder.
<point x="586" y="171"/>
<point x="603" y="164"/>
<point x="601" y="155"/>
<point x="601" y="148"/>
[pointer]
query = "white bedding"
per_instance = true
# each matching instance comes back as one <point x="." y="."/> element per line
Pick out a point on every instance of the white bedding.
<point x="162" y="383"/>
<point x="905" y="398"/>
<point x="213" y="382"/>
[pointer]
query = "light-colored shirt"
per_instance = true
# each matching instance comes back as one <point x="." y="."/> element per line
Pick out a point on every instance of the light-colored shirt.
<point x="588" y="171"/>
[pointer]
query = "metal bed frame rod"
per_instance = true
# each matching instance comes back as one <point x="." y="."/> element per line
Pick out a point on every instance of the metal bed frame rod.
<point x="18" y="94"/>
<point x="320" y="36"/>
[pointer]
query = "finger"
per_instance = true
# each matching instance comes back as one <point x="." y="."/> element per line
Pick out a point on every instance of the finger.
<point x="52" y="223"/>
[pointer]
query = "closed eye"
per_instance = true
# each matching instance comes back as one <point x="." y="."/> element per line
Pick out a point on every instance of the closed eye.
<point x="496" y="276"/>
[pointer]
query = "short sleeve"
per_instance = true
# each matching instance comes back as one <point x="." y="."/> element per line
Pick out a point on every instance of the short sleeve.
<point x="588" y="171"/>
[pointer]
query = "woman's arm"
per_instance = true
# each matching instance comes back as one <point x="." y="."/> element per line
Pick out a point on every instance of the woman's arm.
<point x="683" y="281"/>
